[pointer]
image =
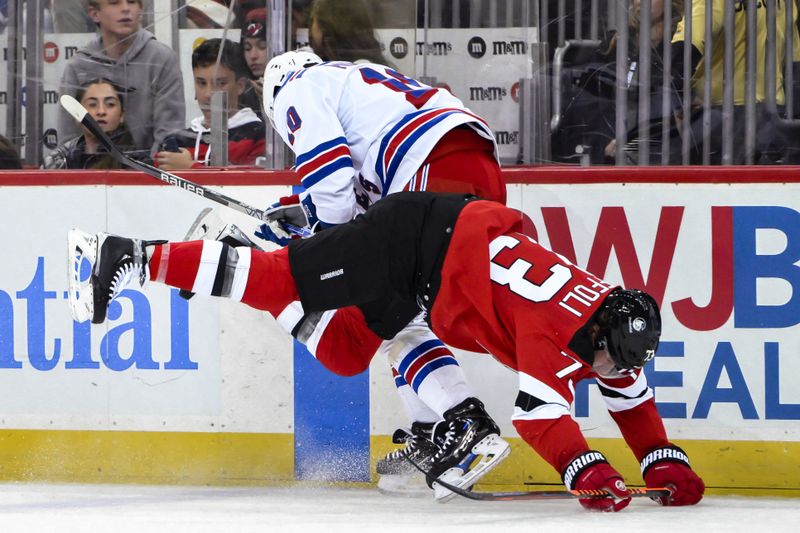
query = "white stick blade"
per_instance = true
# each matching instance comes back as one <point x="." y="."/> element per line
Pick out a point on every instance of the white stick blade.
<point x="73" y="107"/>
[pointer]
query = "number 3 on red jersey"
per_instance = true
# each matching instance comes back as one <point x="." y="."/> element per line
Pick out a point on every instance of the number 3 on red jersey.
<point x="514" y="276"/>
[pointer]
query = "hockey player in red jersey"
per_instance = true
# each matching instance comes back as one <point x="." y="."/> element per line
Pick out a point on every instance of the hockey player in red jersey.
<point x="486" y="287"/>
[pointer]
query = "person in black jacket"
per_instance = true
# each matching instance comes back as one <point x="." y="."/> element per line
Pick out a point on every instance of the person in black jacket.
<point x="106" y="106"/>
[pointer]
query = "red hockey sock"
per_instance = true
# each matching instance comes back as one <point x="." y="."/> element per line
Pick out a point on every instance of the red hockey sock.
<point x="176" y="263"/>
<point x="261" y="280"/>
<point x="270" y="285"/>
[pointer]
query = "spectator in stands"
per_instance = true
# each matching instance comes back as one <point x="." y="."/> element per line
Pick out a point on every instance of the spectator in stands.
<point x="146" y="71"/>
<point x="590" y="91"/>
<point x="106" y="106"/>
<point x="342" y="30"/>
<point x="254" y="50"/>
<point x="70" y="16"/>
<point x="773" y="145"/>
<point x="9" y="158"/>
<point x="657" y="28"/>
<point x="254" y="42"/>
<point x="246" y="131"/>
<point x="298" y="20"/>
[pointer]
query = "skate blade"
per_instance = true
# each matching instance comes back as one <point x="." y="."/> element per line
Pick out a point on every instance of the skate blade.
<point x="492" y="450"/>
<point x="81" y="257"/>
<point x="408" y="485"/>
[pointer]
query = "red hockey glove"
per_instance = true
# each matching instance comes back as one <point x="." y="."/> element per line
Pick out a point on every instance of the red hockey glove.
<point x="669" y="467"/>
<point x="591" y="471"/>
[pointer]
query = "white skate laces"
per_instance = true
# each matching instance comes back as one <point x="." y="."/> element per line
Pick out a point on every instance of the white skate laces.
<point x="397" y="473"/>
<point x="400" y="453"/>
<point x="416" y="446"/>
<point x="411" y="445"/>
<point x="123" y="277"/>
<point x="449" y="438"/>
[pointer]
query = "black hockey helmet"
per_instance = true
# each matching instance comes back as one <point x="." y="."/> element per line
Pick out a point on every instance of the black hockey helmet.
<point x="630" y="326"/>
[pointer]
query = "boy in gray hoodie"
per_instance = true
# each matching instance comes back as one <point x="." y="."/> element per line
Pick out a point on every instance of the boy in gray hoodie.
<point x="146" y="70"/>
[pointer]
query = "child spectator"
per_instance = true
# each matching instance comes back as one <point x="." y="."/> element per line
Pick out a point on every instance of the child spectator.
<point x="146" y="71"/>
<point x="106" y="106"/>
<point x="254" y="50"/>
<point x="246" y="131"/>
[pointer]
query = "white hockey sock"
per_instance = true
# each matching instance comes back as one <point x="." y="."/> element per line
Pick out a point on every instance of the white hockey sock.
<point x="415" y="408"/>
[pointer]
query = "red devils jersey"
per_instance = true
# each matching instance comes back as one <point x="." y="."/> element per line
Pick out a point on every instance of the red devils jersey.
<point x="520" y="301"/>
<point x="505" y="294"/>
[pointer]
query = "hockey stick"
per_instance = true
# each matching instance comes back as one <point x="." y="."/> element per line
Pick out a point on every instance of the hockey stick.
<point x="550" y="495"/>
<point x="74" y="108"/>
<point x="649" y="492"/>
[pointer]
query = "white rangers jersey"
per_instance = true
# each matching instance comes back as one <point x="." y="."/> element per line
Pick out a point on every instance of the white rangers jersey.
<point x="360" y="132"/>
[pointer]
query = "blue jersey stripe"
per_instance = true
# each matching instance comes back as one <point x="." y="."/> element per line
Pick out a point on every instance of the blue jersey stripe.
<point x="323" y="147"/>
<point x="323" y="172"/>
<point x="388" y="137"/>
<point x="401" y="151"/>
<point x="386" y="174"/>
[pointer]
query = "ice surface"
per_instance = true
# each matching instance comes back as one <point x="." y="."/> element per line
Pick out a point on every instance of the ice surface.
<point x="144" y="509"/>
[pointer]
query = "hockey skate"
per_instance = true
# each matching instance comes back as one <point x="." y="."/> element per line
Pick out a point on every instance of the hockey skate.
<point x="99" y="267"/>
<point x="469" y="447"/>
<point x="398" y="475"/>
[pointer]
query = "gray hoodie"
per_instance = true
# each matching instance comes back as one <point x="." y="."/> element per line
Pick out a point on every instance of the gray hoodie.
<point x="150" y="75"/>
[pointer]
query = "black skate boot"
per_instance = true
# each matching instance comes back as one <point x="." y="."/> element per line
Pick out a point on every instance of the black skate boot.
<point x="397" y="475"/>
<point x="469" y="447"/>
<point x="418" y="447"/>
<point x="100" y="266"/>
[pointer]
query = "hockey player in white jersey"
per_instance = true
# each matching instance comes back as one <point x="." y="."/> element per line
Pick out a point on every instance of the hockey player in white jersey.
<point x="359" y="133"/>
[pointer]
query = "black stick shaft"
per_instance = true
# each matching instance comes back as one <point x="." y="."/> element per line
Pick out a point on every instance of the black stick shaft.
<point x="80" y="114"/>
<point x="538" y="494"/>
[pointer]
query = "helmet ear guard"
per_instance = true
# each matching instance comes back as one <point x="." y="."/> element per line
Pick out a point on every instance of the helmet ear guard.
<point x="630" y="327"/>
<point x="277" y="72"/>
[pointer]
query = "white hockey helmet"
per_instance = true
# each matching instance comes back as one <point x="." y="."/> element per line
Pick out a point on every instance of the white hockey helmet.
<point x="278" y="71"/>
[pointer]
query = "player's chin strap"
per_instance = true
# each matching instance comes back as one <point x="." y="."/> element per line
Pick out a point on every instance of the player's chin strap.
<point x="648" y="492"/>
